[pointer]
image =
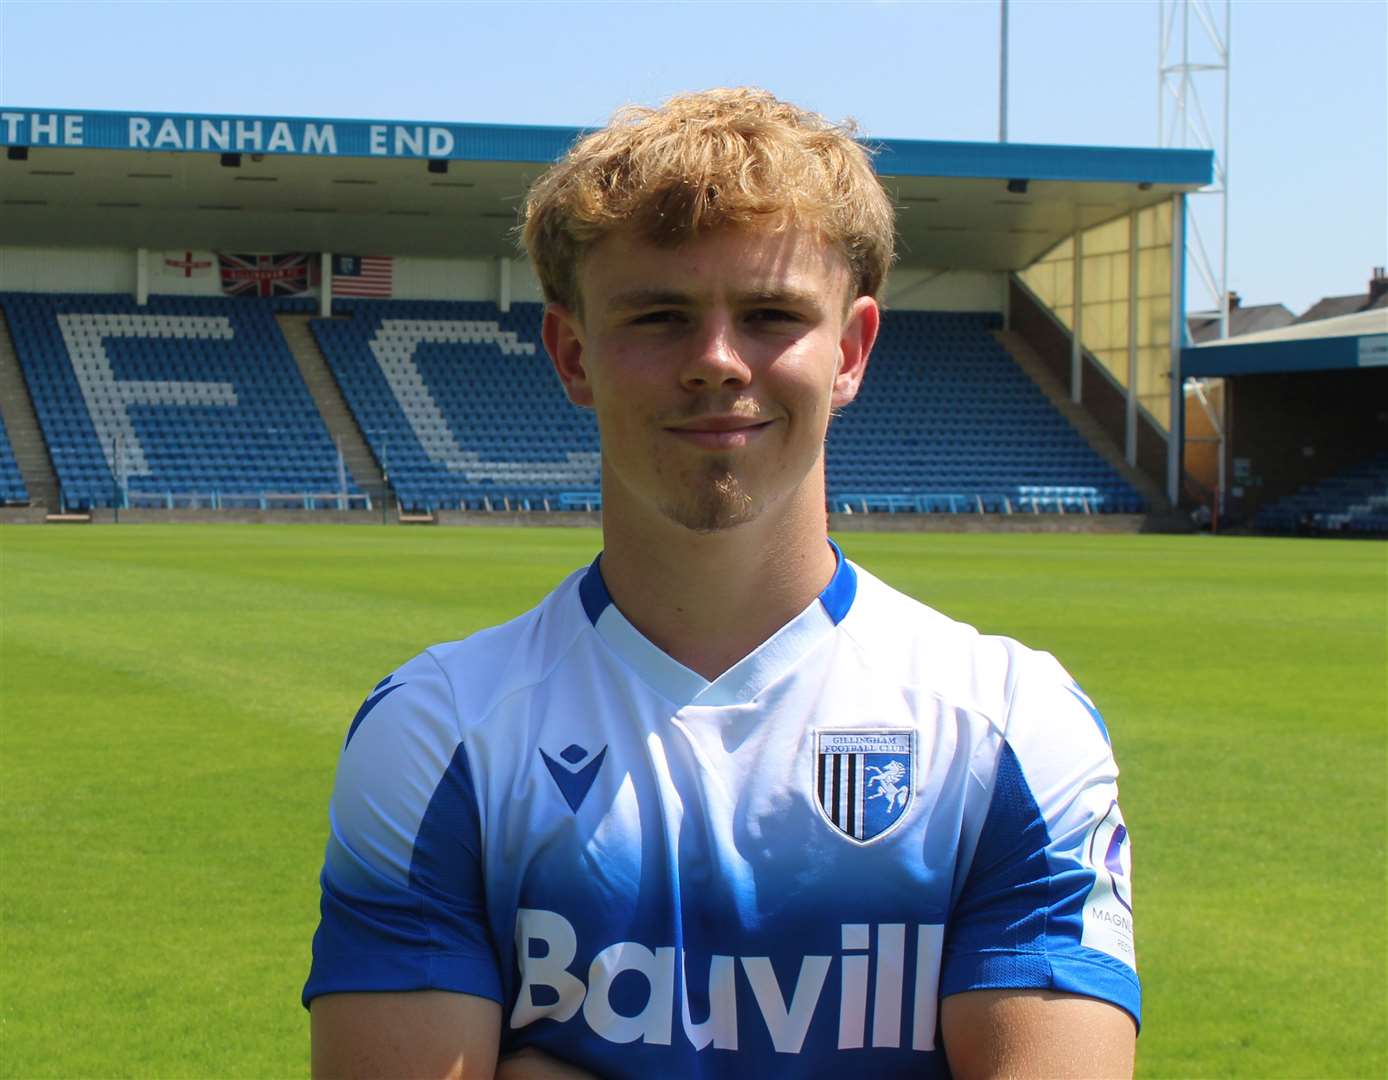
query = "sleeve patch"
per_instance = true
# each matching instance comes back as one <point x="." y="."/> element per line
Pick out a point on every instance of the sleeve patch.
<point x="1108" y="909"/>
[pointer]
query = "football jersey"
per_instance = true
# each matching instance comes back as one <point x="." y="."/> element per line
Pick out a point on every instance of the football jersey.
<point x="781" y="871"/>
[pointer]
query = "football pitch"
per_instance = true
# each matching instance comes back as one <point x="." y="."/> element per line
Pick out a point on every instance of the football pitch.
<point x="172" y="700"/>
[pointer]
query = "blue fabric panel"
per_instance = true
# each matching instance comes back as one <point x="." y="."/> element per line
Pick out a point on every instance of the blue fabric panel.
<point x="1016" y="924"/>
<point x="838" y="595"/>
<point x="429" y="935"/>
<point x="1092" y="711"/>
<point x="377" y="696"/>
<point x="592" y="590"/>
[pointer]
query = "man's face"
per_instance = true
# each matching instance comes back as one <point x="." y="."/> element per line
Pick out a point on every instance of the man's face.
<point x="713" y="367"/>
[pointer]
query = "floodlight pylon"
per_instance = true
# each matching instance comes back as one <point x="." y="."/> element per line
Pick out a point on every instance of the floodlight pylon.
<point x="1193" y="59"/>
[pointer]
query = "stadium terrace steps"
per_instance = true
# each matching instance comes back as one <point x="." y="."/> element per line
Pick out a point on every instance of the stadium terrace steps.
<point x="327" y="395"/>
<point x="38" y="482"/>
<point x="181" y="402"/>
<point x="12" y="488"/>
<point x="1078" y="417"/>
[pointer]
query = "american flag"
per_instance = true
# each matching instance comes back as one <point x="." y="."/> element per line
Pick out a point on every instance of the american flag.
<point x="362" y="275"/>
<point x="264" y="275"/>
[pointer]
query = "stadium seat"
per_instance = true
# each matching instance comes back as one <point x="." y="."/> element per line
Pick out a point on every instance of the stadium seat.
<point x="1353" y="500"/>
<point x="461" y="407"/>
<point x="12" y="489"/>
<point x="184" y="401"/>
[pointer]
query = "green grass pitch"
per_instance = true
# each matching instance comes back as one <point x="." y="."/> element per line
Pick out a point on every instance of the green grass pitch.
<point x="173" y="700"/>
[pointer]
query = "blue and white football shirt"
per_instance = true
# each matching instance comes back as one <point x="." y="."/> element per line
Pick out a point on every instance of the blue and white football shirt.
<point x="779" y="872"/>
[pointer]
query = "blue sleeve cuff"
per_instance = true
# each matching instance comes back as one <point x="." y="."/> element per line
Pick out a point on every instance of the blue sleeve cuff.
<point x="397" y="939"/>
<point x="1096" y="976"/>
<point x="393" y="972"/>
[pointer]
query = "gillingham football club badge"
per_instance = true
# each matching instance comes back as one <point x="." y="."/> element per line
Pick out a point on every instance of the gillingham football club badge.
<point x="864" y="780"/>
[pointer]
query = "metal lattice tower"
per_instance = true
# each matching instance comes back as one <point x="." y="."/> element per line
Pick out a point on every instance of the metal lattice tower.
<point x="1192" y="69"/>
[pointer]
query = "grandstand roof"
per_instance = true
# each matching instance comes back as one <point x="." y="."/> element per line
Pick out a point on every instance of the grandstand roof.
<point x="247" y="183"/>
<point x="1348" y="341"/>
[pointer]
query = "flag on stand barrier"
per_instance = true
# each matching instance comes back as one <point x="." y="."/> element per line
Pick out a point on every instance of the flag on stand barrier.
<point x="185" y="264"/>
<point x="264" y="275"/>
<point x="363" y="275"/>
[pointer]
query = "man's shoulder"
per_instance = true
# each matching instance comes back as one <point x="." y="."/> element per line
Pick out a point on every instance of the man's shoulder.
<point x="491" y="664"/>
<point x="947" y="658"/>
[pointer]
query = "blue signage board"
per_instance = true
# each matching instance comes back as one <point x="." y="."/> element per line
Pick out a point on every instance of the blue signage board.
<point x="187" y="133"/>
<point x="280" y="135"/>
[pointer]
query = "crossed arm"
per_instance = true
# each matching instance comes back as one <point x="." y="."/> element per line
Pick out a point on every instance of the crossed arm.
<point x="987" y="1033"/>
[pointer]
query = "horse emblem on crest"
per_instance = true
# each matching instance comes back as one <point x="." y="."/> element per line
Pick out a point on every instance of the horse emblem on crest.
<point x="864" y="780"/>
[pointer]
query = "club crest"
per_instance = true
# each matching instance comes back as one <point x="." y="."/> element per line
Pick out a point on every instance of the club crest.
<point x="864" y="780"/>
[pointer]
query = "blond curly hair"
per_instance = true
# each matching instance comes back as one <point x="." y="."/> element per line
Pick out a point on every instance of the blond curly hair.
<point x="727" y="157"/>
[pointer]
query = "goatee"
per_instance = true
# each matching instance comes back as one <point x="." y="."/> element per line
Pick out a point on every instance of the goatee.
<point x="715" y="501"/>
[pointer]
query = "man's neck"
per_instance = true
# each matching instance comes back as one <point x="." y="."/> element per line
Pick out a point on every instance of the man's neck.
<point x="709" y="599"/>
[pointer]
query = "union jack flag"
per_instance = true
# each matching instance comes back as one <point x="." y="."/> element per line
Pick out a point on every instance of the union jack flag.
<point x="264" y="275"/>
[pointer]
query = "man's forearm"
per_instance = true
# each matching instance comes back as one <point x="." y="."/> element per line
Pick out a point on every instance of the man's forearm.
<point x="532" y="1064"/>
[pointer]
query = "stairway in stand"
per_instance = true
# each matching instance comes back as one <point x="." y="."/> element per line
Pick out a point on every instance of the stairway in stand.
<point x="1079" y="419"/>
<point x="22" y="425"/>
<point x="342" y="426"/>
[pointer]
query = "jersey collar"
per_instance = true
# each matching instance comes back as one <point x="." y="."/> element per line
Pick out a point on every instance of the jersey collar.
<point x="745" y="679"/>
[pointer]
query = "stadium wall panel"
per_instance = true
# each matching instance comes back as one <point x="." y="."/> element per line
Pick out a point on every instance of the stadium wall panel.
<point x="930" y="289"/>
<point x="462" y="279"/>
<point x="87" y="270"/>
<point x="195" y="273"/>
<point x="1099" y="395"/>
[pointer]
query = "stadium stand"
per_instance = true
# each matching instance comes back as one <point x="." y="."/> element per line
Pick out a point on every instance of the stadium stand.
<point x="12" y="489"/>
<point x="460" y="405"/>
<point x="183" y="401"/>
<point x="1354" y="500"/>
<point x="947" y="422"/>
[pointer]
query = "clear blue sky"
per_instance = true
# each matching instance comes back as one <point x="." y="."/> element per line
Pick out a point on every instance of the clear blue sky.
<point x="1309" y="162"/>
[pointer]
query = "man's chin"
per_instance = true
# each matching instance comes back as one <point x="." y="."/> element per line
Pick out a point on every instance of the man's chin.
<point x="718" y="504"/>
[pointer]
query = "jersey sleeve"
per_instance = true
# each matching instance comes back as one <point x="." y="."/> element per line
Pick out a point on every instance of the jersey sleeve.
<point x="1047" y="901"/>
<point x="402" y="891"/>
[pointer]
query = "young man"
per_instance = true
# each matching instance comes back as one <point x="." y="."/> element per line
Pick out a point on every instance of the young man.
<point x="723" y="804"/>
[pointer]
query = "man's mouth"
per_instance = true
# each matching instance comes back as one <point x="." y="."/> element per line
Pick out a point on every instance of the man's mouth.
<point x="720" y="432"/>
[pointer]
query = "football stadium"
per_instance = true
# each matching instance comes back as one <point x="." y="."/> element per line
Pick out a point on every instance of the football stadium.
<point x="276" y="416"/>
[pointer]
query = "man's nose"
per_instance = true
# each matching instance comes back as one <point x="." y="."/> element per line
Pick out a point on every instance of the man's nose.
<point x="715" y="357"/>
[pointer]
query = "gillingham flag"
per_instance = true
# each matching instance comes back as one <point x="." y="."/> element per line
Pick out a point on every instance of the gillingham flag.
<point x="362" y="275"/>
<point x="264" y="275"/>
<point x="186" y="264"/>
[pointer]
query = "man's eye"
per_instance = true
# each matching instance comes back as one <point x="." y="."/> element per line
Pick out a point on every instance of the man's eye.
<point x="774" y="315"/>
<point x="654" y="318"/>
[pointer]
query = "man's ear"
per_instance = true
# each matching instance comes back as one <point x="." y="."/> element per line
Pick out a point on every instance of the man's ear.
<point x="562" y="333"/>
<point x="860" y="328"/>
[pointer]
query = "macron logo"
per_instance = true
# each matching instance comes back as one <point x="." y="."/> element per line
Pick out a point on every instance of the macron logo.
<point x="574" y="778"/>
